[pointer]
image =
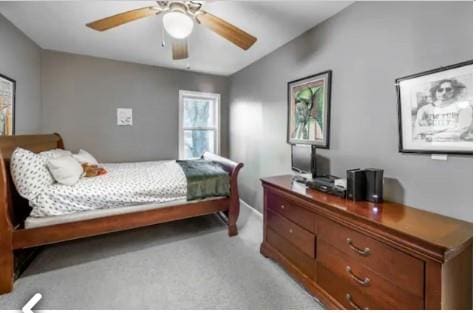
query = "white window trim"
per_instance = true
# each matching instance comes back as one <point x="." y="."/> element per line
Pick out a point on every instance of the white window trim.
<point x="204" y="95"/>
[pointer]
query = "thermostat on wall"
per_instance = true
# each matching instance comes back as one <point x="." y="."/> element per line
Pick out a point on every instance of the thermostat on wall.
<point x="124" y="117"/>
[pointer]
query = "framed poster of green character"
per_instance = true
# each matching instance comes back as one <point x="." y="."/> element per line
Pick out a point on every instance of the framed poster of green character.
<point x="309" y="107"/>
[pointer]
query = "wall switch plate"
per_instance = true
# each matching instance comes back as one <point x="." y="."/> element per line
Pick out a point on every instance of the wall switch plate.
<point x="124" y="117"/>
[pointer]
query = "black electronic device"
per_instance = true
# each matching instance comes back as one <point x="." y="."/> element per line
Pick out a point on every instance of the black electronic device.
<point x="356" y="184"/>
<point x="326" y="184"/>
<point x="374" y="184"/>
<point x="302" y="161"/>
<point x="339" y="191"/>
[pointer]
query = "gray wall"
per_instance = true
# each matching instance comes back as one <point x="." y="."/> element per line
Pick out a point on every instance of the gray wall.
<point x="80" y="95"/>
<point x="20" y="60"/>
<point x="367" y="46"/>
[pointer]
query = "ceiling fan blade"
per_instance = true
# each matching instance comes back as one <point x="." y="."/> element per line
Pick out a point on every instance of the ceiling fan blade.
<point x="122" y="18"/>
<point x="228" y="31"/>
<point x="179" y="49"/>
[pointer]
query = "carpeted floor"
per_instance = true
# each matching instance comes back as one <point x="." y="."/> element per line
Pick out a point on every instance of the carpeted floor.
<point x="189" y="264"/>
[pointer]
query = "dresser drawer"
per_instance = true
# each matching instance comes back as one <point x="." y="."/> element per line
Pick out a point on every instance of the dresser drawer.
<point x="298" y="236"/>
<point x="295" y="256"/>
<point x="359" y="278"/>
<point x="291" y="210"/>
<point x="400" y="268"/>
<point x="347" y="295"/>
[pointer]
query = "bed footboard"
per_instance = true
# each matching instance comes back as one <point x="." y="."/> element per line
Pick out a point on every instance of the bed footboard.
<point x="233" y="169"/>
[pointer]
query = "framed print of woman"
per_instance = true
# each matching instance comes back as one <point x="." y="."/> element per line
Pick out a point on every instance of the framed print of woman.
<point x="435" y="110"/>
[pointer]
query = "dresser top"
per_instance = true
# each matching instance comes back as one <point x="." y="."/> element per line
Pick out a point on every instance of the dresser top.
<point x="448" y="233"/>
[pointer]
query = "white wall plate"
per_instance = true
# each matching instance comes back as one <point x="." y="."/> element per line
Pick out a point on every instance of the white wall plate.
<point x="124" y="117"/>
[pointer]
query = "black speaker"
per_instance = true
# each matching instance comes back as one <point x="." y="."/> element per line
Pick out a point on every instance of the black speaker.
<point x="374" y="179"/>
<point x="356" y="184"/>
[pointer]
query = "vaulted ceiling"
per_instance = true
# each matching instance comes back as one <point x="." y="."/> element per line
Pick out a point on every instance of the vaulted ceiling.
<point x="60" y="25"/>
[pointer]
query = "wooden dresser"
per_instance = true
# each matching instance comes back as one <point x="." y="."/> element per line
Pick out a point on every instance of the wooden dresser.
<point x="357" y="255"/>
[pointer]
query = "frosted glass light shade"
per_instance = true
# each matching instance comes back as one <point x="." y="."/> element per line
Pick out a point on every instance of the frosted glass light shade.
<point x="177" y="24"/>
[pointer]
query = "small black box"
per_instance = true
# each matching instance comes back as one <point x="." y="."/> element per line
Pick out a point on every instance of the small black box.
<point x="356" y="184"/>
<point x="374" y="184"/>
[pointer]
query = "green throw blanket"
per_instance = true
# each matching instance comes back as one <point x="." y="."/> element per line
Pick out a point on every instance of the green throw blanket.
<point x="205" y="179"/>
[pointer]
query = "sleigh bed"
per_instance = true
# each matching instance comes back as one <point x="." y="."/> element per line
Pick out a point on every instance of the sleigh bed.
<point x="15" y="211"/>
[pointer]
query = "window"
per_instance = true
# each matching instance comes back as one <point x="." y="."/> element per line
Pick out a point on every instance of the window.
<point x="199" y="124"/>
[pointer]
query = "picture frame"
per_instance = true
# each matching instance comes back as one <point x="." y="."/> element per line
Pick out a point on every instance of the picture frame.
<point x="7" y="105"/>
<point x="435" y="110"/>
<point x="309" y="108"/>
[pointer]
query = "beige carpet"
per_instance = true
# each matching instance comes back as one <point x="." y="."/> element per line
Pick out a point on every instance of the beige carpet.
<point x="189" y="264"/>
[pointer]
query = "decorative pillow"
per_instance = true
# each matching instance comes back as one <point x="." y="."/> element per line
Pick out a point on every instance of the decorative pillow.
<point x="29" y="173"/>
<point x="85" y="157"/>
<point x="55" y="153"/>
<point x="66" y="170"/>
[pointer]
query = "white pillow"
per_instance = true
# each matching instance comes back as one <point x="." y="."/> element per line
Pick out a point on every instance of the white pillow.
<point x="29" y="173"/>
<point x="84" y="156"/>
<point x="55" y="153"/>
<point x="65" y="169"/>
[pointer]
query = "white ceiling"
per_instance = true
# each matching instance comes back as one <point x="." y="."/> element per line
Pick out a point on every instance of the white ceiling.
<point x="59" y="25"/>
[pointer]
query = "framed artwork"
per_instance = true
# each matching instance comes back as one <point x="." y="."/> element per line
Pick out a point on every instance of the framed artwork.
<point x="435" y="110"/>
<point x="309" y="107"/>
<point x="7" y="106"/>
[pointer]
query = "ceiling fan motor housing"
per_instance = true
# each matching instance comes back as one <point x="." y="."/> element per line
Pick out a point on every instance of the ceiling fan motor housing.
<point x="190" y="8"/>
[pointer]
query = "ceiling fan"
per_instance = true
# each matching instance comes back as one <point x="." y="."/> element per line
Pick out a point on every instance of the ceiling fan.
<point x="178" y="20"/>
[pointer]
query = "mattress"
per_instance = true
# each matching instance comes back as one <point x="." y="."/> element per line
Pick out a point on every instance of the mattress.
<point x="125" y="185"/>
<point x="34" y="222"/>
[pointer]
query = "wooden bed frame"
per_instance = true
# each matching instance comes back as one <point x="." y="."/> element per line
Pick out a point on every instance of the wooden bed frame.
<point x="14" y="209"/>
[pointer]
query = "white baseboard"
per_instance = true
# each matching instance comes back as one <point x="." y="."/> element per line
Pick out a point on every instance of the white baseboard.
<point x="252" y="209"/>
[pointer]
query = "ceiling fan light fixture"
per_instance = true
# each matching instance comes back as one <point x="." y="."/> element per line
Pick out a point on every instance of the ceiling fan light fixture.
<point x="177" y="24"/>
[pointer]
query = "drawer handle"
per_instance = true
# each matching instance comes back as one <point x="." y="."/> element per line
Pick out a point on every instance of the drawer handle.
<point x="364" y="252"/>
<point x="363" y="282"/>
<point x="352" y="303"/>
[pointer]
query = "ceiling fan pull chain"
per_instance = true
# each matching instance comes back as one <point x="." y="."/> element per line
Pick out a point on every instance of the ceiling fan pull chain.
<point x="163" y="37"/>
<point x="188" y="59"/>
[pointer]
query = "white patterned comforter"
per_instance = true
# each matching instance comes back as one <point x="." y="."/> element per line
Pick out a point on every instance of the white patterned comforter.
<point x="125" y="184"/>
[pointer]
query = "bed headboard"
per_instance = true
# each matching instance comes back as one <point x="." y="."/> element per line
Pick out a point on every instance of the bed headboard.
<point x="9" y="198"/>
